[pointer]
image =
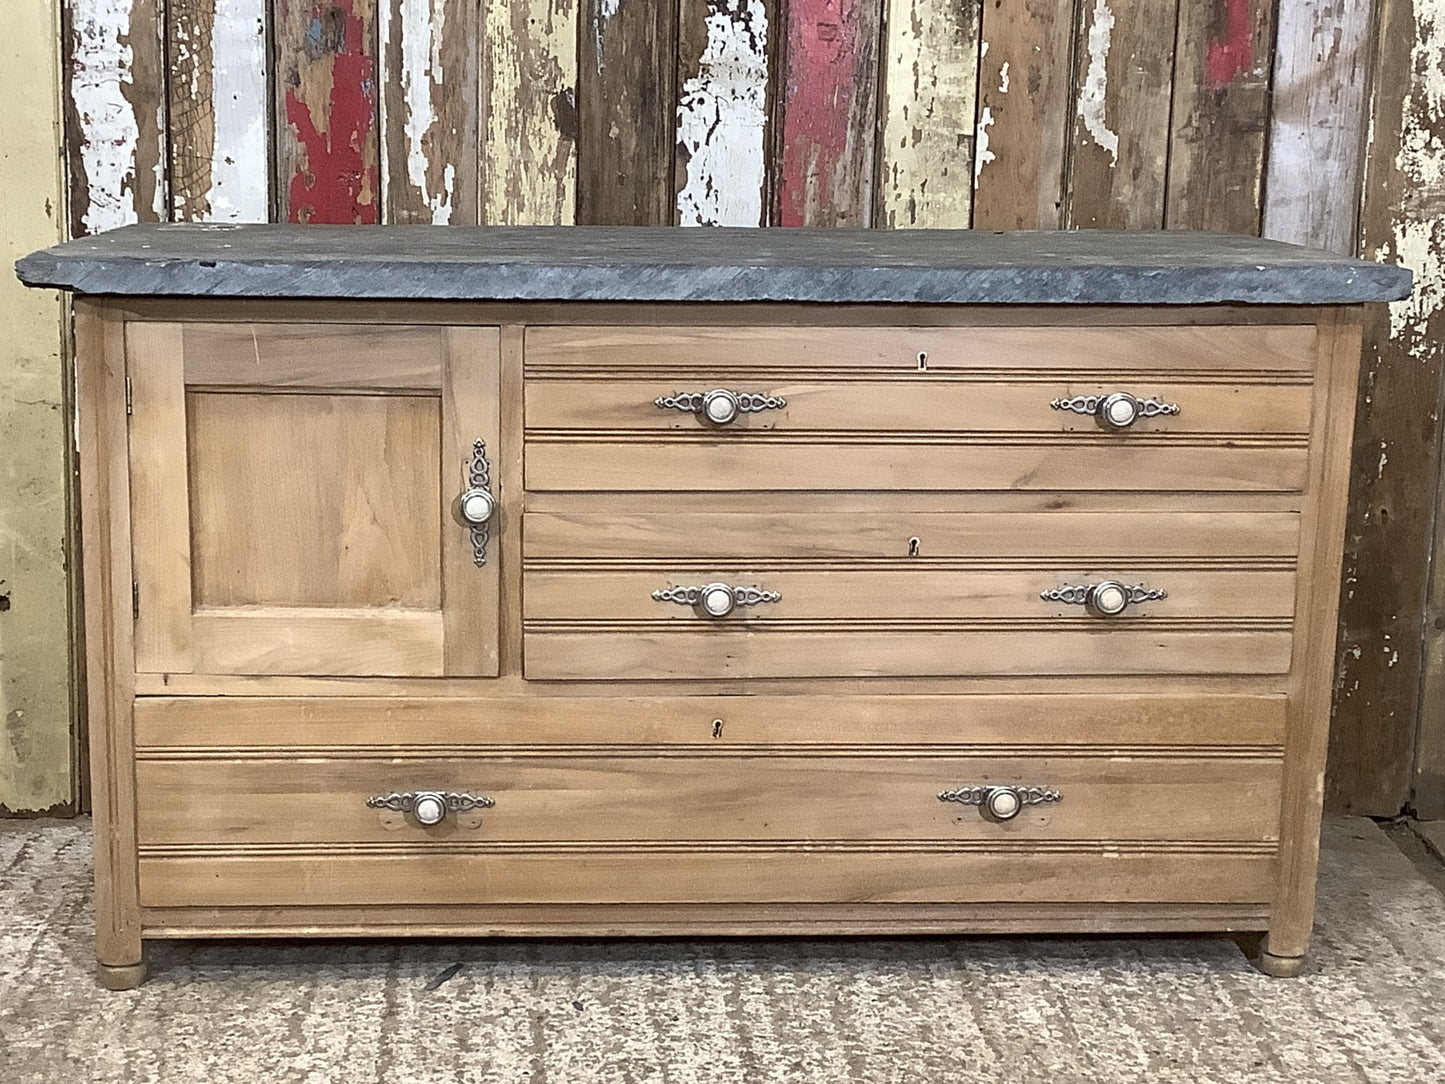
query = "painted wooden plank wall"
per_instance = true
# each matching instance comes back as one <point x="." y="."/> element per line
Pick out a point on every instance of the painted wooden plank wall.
<point x="992" y="113"/>
<point x="1393" y="495"/>
<point x="38" y="765"/>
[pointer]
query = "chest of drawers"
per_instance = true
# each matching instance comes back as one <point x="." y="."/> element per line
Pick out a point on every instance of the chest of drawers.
<point x="573" y="586"/>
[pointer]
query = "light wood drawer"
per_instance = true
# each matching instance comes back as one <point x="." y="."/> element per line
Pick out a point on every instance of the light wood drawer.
<point x="566" y="828"/>
<point x="916" y="408"/>
<point x="983" y="596"/>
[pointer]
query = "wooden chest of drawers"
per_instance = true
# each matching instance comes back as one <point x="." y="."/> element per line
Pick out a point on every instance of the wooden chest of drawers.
<point x="522" y="616"/>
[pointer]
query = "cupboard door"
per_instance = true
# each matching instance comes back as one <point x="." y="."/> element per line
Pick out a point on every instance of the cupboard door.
<point x="292" y="493"/>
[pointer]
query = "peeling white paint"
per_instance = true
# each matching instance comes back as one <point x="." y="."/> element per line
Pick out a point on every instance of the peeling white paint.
<point x="1092" y="93"/>
<point x="1419" y="236"/>
<point x="721" y="116"/>
<point x="101" y="63"/>
<point x="1003" y="78"/>
<point x="1321" y="71"/>
<point x="240" y="105"/>
<point x="981" y="154"/>
<point x="419" y="71"/>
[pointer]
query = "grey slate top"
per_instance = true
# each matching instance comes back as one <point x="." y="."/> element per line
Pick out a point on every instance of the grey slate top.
<point x="603" y="263"/>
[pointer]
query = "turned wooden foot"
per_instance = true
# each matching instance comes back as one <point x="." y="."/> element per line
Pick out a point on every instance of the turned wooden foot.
<point x="1279" y="967"/>
<point x="122" y="976"/>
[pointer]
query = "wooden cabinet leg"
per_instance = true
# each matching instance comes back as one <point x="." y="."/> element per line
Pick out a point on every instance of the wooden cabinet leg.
<point x="1279" y="967"/>
<point x="121" y="976"/>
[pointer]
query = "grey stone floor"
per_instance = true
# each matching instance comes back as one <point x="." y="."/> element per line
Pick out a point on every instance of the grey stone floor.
<point x="813" y="1011"/>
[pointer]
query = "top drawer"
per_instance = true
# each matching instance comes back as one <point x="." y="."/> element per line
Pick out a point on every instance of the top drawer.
<point x="1208" y="408"/>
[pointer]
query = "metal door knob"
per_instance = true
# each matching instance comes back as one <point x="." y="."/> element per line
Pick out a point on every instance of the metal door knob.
<point x="430" y="808"/>
<point x="720" y="406"/>
<point x="1003" y="803"/>
<point x="717" y="600"/>
<point x="476" y="507"/>
<point x="1107" y="599"/>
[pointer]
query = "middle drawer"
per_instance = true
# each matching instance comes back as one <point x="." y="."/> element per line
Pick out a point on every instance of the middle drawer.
<point x="777" y="595"/>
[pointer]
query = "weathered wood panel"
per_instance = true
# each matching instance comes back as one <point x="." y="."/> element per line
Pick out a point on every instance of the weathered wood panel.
<point x="829" y="104"/>
<point x="1317" y="125"/>
<point x="38" y="765"/>
<point x="626" y="127"/>
<point x="116" y="114"/>
<point x="218" y="109"/>
<point x="328" y="154"/>
<point x="1120" y="142"/>
<point x="1220" y="115"/>
<point x="1397" y="427"/>
<point x="930" y="82"/>
<point x="722" y="111"/>
<point x="429" y="113"/>
<point x="529" y="102"/>
<point x="1024" y="88"/>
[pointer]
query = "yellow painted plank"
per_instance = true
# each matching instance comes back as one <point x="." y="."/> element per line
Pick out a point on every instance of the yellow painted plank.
<point x="929" y="89"/>
<point x="529" y="81"/>
<point x="37" y="763"/>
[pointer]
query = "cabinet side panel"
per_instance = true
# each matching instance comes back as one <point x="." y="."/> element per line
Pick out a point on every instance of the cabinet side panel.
<point x="1316" y="611"/>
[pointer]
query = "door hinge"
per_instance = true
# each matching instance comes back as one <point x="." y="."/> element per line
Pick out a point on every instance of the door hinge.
<point x="134" y="600"/>
<point x="129" y="398"/>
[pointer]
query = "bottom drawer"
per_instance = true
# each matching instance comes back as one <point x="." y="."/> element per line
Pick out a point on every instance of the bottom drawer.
<point x="777" y="826"/>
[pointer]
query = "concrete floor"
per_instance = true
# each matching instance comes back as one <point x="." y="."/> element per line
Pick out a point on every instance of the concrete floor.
<point x="813" y="1011"/>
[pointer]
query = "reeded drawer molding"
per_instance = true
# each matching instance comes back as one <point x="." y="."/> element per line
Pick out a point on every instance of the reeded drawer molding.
<point x="1111" y="722"/>
<point x="803" y="875"/>
<point x="618" y="351"/>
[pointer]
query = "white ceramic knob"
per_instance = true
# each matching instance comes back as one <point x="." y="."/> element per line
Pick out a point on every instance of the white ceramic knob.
<point x="476" y="506"/>
<point x="720" y="406"/>
<point x="717" y="600"/>
<point x="1108" y="599"/>
<point x="1004" y="803"/>
<point x="429" y="808"/>
<point x="1118" y="411"/>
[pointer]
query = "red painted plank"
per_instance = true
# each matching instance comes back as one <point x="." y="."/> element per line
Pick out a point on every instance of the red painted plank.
<point x="329" y="156"/>
<point x="829" y="107"/>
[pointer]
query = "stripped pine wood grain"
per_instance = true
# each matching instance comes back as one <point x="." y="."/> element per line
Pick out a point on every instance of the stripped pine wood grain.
<point x="1220" y="116"/>
<point x="529" y="101"/>
<point x="1120" y="141"/>
<point x="1397" y="428"/>
<point x="930" y="80"/>
<point x="828" y="99"/>
<point x="1023" y="109"/>
<point x="722" y="111"/>
<point x="218" y="137"/>
<point x="116" y="114"/>
<point x="1316" y="144"/>
<point x="429" y="113"/>
<point x="626" y="97"/>
<point x="327" y="146"/>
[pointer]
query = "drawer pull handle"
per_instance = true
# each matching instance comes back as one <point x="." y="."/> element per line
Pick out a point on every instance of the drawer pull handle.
<point x="1106" y="599"/>
<point x="476" y="506"/>
<point x="430" y="806"/>
<point x="1118" y="410"/>
<point x="719" y="406"/>
<point x="715" y="599"/>
<point x="1001" y="803"/>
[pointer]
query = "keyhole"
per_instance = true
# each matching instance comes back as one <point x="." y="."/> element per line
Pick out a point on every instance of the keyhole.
<point x="717" y="728"/>
<point x="913" y="546"/>
<point x="922" y="360"/>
